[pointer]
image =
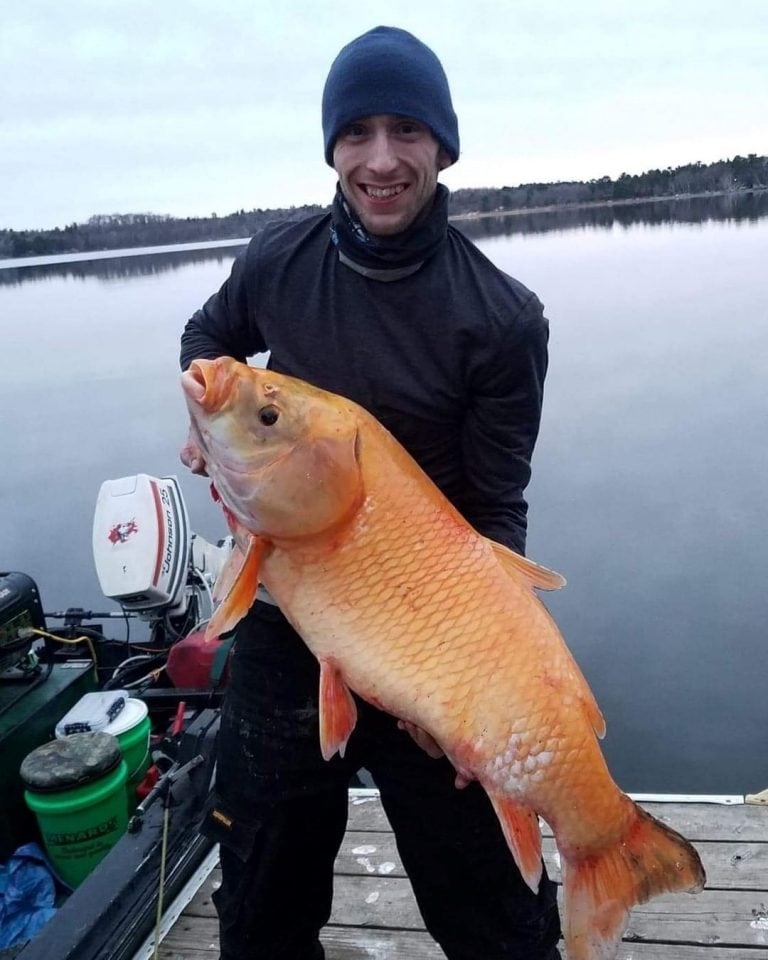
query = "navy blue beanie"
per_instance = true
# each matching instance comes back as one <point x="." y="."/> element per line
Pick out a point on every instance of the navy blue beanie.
<point x="388" y="70"/>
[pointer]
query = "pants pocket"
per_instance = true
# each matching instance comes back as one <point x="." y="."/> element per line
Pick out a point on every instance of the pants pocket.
<point x="223" y="825"/>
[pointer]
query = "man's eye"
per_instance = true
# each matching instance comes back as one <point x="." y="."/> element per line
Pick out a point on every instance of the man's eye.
<point x="407" y="127"/>
<point x="353" y="130"/>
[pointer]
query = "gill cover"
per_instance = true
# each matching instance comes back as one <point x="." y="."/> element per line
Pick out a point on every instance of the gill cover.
<point x="313" y="487"/>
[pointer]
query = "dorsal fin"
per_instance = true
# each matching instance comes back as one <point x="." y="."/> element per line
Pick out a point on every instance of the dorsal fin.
<point x="536" y="575"/>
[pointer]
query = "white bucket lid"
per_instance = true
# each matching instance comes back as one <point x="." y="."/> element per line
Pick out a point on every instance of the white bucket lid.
<point x="92" y="712"/>
<point x="129" y="717"/>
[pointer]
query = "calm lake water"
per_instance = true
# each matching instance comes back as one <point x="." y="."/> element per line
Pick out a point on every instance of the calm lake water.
<point x="649" y="488"/>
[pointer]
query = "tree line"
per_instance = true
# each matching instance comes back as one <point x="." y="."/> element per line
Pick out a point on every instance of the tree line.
<point x="724" y="176"/>
<point x="120" y="231"/>
<point x="117" y="231"/>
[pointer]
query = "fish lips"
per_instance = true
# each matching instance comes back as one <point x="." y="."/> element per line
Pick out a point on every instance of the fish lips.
<point x="209" y="384"/>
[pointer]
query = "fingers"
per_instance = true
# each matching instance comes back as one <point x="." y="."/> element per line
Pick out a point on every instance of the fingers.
<point x="191" y="456"/>
<point x="427" y="743"/>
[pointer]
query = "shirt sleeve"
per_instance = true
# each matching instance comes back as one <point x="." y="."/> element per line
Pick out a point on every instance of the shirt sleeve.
<point x="226" y="325"/>
<point x="500" y="429"/>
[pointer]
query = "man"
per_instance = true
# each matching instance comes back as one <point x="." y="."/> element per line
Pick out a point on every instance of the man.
<point x="381" y="301"/>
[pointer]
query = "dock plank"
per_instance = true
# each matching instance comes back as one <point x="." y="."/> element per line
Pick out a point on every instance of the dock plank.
<point x="711" y="917"/>
<point x="735" y="917"/>
<point x="344" y="944"/>
<point x="696" y="821"/>
<point x="735" y="866"/>
<point x="196" y="939"/>
<point x="375" y="916"/>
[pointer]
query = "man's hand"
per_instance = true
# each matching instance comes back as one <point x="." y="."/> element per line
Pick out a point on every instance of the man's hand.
<point x="430" y="746"/>
<point x="427" y="743"/>
<point x="191" y="456"/>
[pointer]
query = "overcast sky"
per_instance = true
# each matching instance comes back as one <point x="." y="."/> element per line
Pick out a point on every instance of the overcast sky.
<point x="188" y="107"/>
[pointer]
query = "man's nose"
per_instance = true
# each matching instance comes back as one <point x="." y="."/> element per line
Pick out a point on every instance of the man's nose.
<point x="382" y="158"/>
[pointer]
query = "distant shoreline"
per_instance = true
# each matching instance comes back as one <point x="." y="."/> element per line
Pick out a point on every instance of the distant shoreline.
<point x="589" y="204"/>
<point x="138" y="249"/>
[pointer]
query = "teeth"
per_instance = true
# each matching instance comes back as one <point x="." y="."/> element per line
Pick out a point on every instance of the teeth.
<point x="381" y="193"/>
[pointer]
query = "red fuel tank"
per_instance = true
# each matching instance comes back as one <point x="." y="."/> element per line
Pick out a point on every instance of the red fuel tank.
<point x="195" y="663"/>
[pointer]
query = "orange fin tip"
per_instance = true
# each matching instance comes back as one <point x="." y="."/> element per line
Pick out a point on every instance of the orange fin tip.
<point x="533" y="573"/>
<point x="588" y="702"/>
<point x="338" y="713"/>
<point x="521" y="831"/>
<point x="241" y="592"/>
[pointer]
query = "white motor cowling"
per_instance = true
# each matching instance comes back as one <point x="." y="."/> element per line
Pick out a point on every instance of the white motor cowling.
<point x="141" y="543"/>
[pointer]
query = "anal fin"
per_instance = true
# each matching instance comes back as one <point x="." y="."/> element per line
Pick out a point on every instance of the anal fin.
<point x="521" y="831"/>
<point x="338" y="713"/>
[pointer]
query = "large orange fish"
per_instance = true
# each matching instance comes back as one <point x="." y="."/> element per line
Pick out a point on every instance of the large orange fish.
<point x="405" y="604"/>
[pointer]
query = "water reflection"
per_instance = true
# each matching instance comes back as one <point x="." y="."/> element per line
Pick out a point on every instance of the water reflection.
<point x="734" y="208"/>
<point x="118" y="268"/>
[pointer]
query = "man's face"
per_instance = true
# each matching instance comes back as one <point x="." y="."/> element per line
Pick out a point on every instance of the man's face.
<point x="388" y="169"/>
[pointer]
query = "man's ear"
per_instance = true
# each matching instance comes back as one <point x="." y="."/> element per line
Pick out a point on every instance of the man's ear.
<point x="443" y="159"/>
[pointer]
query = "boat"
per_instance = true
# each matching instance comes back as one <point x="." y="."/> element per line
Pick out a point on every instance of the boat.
<point x="54" y="663"/>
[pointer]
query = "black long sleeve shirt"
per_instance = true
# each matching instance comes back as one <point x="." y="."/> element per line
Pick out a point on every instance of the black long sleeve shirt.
<point x="451" y="359"/>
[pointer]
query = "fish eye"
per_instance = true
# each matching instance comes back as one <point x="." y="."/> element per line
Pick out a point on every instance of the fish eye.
<point x="269" y="415"/>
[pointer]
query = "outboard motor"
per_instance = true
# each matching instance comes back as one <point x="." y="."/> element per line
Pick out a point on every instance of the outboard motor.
<point x="141" y="544"/>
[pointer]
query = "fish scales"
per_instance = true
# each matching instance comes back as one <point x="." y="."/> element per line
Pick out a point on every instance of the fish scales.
<point x="404" y="603"/>
<point x="387" y="612"/>
<point x="430" y="628"/>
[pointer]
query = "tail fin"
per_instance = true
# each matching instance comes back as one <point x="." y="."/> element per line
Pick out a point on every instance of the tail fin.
<point x="599" y="891"/>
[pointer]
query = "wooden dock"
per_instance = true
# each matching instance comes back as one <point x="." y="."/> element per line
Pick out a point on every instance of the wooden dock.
<point x="375" y="915"/>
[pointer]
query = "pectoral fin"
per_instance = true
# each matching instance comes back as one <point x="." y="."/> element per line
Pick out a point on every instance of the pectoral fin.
<point x="228" y="573"/>
<point x="244" y="582"/>
<point x="338" y="713"/>
<point x="536" y="575"/>
<point x="521" y="831"/>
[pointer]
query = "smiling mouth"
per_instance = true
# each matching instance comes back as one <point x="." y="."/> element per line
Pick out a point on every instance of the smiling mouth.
<point x="383" y="193"/>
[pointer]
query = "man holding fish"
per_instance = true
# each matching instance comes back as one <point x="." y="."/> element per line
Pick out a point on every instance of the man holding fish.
<point x="383" y="302"/>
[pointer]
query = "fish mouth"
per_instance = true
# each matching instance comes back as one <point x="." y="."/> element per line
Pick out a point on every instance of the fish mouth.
<point x="208" y="383"/>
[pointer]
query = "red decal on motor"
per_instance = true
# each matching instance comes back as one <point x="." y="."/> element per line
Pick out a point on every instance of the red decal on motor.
<point x="122" y="531"/>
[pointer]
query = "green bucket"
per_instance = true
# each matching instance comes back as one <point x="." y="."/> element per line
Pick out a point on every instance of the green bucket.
<point x="76" y="789"/>
<point x="132" y="728"/>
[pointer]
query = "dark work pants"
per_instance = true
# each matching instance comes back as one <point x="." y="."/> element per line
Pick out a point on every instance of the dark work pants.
<point x="279" y="812"/>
